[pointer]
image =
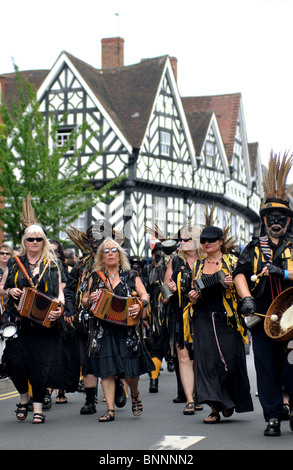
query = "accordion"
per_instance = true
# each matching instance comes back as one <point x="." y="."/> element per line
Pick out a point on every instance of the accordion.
<point x="114" y="309"/>
<point x="36" y="306"/>
<point x="210" y="281"/>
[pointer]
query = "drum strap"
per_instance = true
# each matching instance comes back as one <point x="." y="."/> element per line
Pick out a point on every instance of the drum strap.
<point x="24" y="271"/>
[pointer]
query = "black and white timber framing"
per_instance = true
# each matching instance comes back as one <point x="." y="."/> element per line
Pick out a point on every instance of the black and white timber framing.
<point x="175" y="158"/>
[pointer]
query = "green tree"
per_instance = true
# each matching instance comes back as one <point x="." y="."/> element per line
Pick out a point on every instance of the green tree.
<point x="29" y="164"/>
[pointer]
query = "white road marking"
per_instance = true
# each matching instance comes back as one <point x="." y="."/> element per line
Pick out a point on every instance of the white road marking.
<point x="176" y="442"/>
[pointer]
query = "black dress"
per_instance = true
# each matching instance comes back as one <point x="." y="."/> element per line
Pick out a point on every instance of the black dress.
<point x="36" y="355"/>
<point x="115" y="349"/>
<point x="221" y="378"/>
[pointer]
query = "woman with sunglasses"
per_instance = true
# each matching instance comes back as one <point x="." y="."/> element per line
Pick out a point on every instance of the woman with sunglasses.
<point x="178" y="277"/>
<point x="117" y="350"/>
<point x="5" y="253"/>
<point x="221" y="379"/>
<point x="35" y="356"/>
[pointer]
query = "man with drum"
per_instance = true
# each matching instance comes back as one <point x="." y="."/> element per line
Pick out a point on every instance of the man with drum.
<point x="264" y="270"/>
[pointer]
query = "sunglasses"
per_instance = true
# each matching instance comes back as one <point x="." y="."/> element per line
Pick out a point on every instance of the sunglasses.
<point x="209" y="240"/>
<point x="4" y="253"/>
<point x="37" y="239"/>
<point x="107" y="250"/>
<point x="185" y="239"/>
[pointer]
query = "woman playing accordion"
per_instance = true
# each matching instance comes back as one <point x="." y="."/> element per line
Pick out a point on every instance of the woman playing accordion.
<point x="35" y="355"/>
<point x="116" y="347"/>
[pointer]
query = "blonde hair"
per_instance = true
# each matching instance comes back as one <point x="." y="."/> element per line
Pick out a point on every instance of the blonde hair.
<point x="190" y="231"/>
<point x="7" y="247"/>
<point x="46" y="247"/>
<point x="99" y="264"/>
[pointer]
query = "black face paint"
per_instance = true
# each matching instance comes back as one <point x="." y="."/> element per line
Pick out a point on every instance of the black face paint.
<point x="276" y="218"/>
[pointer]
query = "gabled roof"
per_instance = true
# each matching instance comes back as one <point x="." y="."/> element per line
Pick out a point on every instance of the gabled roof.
<point x="199" y="123"/>
<point x="133" y="90"/>
<point x="127" y="93"/>
<point x="34" y="77"/>
<point x="226" y="109"/>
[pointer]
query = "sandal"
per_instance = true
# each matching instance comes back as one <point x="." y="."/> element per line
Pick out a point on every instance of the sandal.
<point x="22" y="410"/>
<point x="38" y="418"/>
<point x="105" y="418"/>
<point x="214" y="418"/>
<point x="189" y="408"/>
<point x="137" y="407"/>
<point x="60" y="397"/>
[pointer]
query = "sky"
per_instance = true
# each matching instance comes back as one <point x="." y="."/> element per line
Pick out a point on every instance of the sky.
<point x="222" y="46"/>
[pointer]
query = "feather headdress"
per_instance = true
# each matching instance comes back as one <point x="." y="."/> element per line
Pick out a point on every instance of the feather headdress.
<point x="28" y="216"/>
<point x="28" y="213"/>
<point x="274" y="183"/>
<point x="100" y="230"/>
<point x="80" y="239"/>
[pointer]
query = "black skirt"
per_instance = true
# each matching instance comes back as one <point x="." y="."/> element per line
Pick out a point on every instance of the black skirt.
<point x="119" y="350"/>
<point x="39" y="352"/>
<point x="221" y="378"/>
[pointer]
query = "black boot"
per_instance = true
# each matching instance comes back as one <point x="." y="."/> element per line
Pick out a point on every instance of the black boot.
<point x="273" y="428"/>
<point x="154" y="385"/>
<point x="120" y="395"/>
<point x="89" y="407"/>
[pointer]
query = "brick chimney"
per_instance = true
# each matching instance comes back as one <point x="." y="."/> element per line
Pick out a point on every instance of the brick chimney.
<point x="112" y="53"/>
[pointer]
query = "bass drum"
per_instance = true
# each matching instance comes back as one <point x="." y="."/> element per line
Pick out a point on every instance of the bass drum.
<point x="279" y="307"/>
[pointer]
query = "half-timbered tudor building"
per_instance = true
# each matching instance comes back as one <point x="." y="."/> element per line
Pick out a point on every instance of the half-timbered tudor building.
<point x="179" y="155"/>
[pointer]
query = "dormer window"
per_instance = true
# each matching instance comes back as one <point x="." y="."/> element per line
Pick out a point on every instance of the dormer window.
<point x="210" y="154"/>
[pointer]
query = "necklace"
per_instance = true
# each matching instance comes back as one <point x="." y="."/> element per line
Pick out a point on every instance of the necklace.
<point x="112" y="276"/>
<point x="217" y="262"/>
<point x="34" y="265"/>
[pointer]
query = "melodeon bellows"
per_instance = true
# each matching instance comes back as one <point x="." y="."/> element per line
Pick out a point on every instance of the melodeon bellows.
<point x="114" y="309"/>
<point x="36" y="306"/>
<point x="210" y="281"/>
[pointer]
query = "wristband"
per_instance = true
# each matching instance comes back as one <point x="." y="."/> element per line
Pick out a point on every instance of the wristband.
<point x="286" y="274"/>
<point x="145" y="303"/>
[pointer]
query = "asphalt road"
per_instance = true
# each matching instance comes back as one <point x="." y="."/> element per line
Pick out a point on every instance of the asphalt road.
<point x="162" y="427"/>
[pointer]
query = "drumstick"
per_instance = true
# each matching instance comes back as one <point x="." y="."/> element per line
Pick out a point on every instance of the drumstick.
<point x="254" y="277"/>
<point x="273" y="317"/>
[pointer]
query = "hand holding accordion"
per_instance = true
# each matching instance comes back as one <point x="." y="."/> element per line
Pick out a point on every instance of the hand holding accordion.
<point x="38" y="307"/>
<point x="115" y="309"/>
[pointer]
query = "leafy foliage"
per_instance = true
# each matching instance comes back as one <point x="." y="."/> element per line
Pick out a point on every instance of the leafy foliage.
<point x="32" y="162"/>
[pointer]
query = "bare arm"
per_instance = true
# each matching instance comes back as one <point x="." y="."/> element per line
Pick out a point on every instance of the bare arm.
<point x="242" y="286"/>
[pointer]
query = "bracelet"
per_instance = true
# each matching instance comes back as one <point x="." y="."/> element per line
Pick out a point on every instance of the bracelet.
<point x="145" y="303"/>
<point x="286" y="274"/>
<point x="245" y="298"/>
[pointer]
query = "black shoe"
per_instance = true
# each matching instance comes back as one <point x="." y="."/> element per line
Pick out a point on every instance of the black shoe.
<point x="47" y="403"/>
<point x="88" y="409"/>
<point x="120" y="394"/>
<point x="170" y="366"/>
<point x="179" y="399"/>
<point x="273" y="428"/>
<point x="154" y="385"/>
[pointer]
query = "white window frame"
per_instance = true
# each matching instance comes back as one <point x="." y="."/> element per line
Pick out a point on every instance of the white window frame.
<point x="165" y="143"/>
